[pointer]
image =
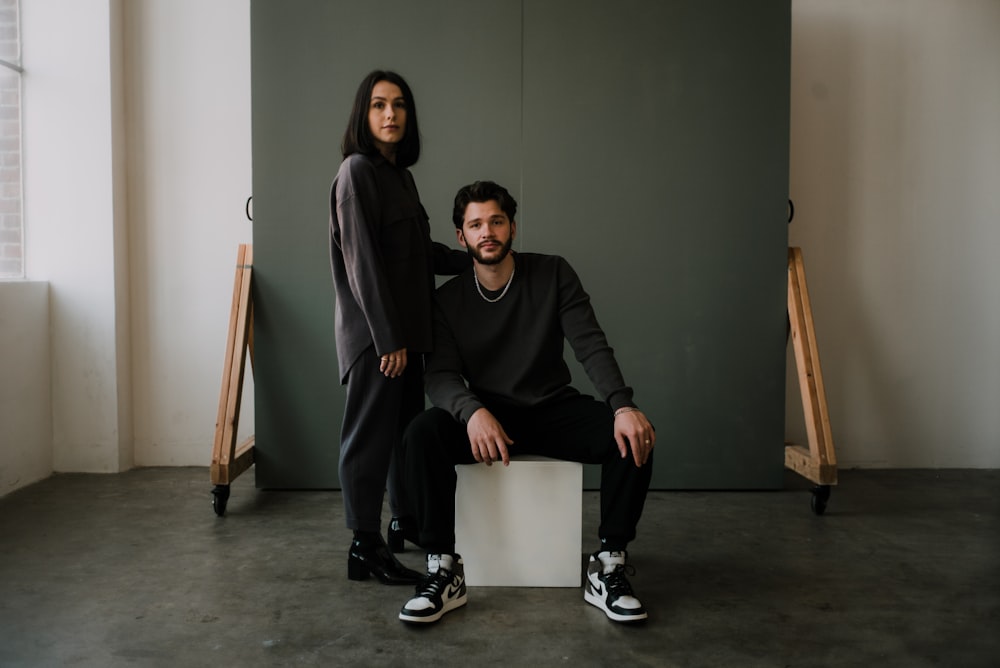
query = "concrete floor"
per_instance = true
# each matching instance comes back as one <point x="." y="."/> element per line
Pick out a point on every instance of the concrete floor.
<point x="135" y="569"/>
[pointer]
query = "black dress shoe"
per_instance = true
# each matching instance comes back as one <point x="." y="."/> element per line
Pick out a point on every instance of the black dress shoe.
<point x="401" y="528"/>
<point x="369" y="555"/>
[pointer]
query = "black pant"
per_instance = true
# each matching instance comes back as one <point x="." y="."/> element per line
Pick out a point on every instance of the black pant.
<point x="376" y="412"/>
<point x="577" y="429"/>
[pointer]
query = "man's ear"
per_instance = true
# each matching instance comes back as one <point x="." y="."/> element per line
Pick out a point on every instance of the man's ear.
<point x="513" y="230"/>
<point x="461" y="237"/>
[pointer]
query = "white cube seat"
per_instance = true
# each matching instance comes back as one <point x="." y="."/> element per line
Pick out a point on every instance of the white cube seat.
<point x="520" y="525"/>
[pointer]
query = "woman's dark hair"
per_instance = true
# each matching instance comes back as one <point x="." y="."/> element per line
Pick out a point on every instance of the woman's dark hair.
<point x="482" y="191"/>
<point x="358" y="136"/>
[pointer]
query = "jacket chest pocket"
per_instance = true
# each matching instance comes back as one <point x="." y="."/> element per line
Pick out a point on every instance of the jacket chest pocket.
<point x="404" y="237"/>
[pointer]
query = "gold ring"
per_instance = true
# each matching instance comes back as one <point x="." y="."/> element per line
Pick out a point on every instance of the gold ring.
<point x="647" y="441"/>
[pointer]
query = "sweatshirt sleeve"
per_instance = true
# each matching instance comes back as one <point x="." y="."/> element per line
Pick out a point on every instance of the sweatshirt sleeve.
<point x="443" y="379"/>
<point x="589" y="343"/>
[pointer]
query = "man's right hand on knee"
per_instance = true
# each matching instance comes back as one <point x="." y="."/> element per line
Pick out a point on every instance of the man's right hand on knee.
<point x="487" y="438"/>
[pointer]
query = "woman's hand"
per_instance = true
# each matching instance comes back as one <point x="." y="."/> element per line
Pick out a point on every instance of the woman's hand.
<point x="394" y="363"/>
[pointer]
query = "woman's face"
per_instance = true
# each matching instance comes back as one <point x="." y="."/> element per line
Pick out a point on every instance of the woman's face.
<point x="387" y="117"/>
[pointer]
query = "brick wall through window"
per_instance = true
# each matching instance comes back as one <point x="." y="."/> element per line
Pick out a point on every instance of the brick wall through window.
<point x="11" y="235"/>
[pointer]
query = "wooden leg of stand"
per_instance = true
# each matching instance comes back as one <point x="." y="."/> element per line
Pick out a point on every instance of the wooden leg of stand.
<point x="228" y="459"/>
<point x="818" y="462"/>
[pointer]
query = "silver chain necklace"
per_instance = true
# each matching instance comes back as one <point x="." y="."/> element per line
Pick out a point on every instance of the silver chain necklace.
<point x="500" y="296"/>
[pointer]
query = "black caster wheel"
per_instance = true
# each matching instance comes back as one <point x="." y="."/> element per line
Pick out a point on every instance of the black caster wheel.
<point x="220" y="495"/>
<point x="820" y="496"/>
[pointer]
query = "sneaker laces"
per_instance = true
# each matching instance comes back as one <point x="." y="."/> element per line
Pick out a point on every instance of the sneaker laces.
<point x="436" y="579"/>
<point x="433" y="583"/>
<point x="616" y="581"/>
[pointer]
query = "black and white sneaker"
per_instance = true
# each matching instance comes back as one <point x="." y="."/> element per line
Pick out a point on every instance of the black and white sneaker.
<point x="608" y="589"/>
<point x="442" y="590"/>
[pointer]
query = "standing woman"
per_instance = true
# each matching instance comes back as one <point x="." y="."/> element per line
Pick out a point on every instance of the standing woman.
<point x="383" y="263"/>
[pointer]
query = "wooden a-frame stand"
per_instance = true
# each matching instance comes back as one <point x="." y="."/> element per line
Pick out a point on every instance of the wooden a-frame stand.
<point x="817" y="462"/>
<point x="229" y="460"/>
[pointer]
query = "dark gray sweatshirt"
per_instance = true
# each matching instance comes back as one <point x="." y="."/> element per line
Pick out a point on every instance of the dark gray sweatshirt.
<point x="511" y="352"/>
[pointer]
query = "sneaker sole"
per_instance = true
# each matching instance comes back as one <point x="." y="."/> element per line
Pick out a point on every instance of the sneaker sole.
<point x="598" y="602"/>
<point x="448" y="607"/>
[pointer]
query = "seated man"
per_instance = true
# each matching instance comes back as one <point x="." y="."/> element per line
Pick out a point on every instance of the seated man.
<point x="500" y="387"/>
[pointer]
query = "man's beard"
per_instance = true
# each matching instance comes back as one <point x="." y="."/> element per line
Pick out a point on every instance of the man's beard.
<point x="497" y="259"/>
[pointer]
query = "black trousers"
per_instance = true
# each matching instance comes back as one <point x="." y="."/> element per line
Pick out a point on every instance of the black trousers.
<point x="376" y="412"/>
<point x="577" y="429"/>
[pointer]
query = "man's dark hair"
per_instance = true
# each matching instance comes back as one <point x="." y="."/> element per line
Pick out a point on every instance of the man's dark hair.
<point x="482" y="191"/>
<point x="358" y="135"/>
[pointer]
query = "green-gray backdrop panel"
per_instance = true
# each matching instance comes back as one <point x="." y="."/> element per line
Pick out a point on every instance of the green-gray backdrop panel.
<point x="647" y="142"/>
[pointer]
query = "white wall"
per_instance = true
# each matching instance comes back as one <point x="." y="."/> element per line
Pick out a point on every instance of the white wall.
<point x="136" y="130"/>
<point x="895" y="175"/>
<point x="894" y="165"/>
<point x="25" y="402"/>
<point x="70" y="102"/>
<point x="188" y="77"/>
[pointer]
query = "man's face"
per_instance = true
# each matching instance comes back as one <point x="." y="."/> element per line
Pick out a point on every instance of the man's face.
<point x="487" y="232"/>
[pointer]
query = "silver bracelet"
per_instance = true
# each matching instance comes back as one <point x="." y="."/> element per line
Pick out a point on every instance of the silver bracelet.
<point x="625" y="409"/>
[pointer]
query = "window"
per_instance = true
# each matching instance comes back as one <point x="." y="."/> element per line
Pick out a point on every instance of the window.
<point x="11" y="228"/>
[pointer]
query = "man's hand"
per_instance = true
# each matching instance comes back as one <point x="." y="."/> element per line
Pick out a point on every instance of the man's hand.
<point x="393" y="364"/>
<point x="488" y="439"/>
<point x="633" y="431"/>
